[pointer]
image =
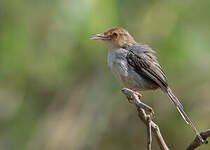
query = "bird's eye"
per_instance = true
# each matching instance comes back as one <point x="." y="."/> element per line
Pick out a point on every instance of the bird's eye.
<point x="115" y="34"/>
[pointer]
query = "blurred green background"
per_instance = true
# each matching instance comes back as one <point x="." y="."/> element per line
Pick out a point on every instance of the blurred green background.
<point x="57" y="93"/>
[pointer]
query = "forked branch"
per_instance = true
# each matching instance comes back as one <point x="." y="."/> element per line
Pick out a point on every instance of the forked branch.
<point x="147" y="119"/>
<point x="151" y="126"/>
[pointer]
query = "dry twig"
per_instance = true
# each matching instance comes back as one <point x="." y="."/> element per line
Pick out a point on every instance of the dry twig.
<point x="196" y="142"/>
<point x="141" y="107"/>
<point x="149" y="134"/>
<point x="151" y="126"/>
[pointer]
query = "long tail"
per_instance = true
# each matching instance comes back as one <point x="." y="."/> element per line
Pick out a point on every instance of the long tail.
<point x="181" y="111"/>
<point x="178" y="105"/>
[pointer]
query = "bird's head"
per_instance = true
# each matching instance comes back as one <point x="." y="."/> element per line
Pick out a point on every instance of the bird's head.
<point x="115" y="37"/>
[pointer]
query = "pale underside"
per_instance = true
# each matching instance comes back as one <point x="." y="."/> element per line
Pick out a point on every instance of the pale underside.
<point x="125" y="73"/>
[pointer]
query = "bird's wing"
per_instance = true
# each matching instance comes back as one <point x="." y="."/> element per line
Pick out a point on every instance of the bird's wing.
<point x="143" y="60"/>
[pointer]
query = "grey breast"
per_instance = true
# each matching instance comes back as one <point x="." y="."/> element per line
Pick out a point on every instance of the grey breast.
<point x="124" y="72"/>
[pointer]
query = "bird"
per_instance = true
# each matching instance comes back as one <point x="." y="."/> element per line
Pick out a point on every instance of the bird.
<point x="136" y="66"/>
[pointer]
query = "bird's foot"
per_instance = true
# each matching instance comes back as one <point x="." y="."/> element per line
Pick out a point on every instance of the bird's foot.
<point x="138" y="94"/>
<point x="130" y="100"/>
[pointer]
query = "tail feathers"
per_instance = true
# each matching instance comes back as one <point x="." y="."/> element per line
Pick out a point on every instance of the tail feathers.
<point x="184" y="116"/>
<point x="178" y="105"/>
<point x="174" y="98"/>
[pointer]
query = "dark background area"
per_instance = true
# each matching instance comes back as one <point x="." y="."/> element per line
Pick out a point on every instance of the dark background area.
<point x="56" y="91"/>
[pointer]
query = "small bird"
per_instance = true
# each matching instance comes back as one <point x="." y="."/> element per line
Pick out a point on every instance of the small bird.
<point x="136" y="66"/>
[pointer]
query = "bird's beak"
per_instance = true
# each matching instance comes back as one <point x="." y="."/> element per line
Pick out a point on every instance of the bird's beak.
<point x="100" y="37"/>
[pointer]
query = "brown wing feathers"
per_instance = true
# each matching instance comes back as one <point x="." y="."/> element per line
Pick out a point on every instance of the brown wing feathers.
<point x="144" y="66"/>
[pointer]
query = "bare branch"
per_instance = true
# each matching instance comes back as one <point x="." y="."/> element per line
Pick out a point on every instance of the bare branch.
<point x="141" y="107"/>
<point x="149" y="134"/>
<point x="196" y="142"/>
<point x="151" y="126"/>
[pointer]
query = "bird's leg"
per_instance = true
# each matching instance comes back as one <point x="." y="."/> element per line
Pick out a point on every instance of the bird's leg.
<point x="130" y="100"/>
<point x="148" y="108"/>
<point x="138" y="94"/>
